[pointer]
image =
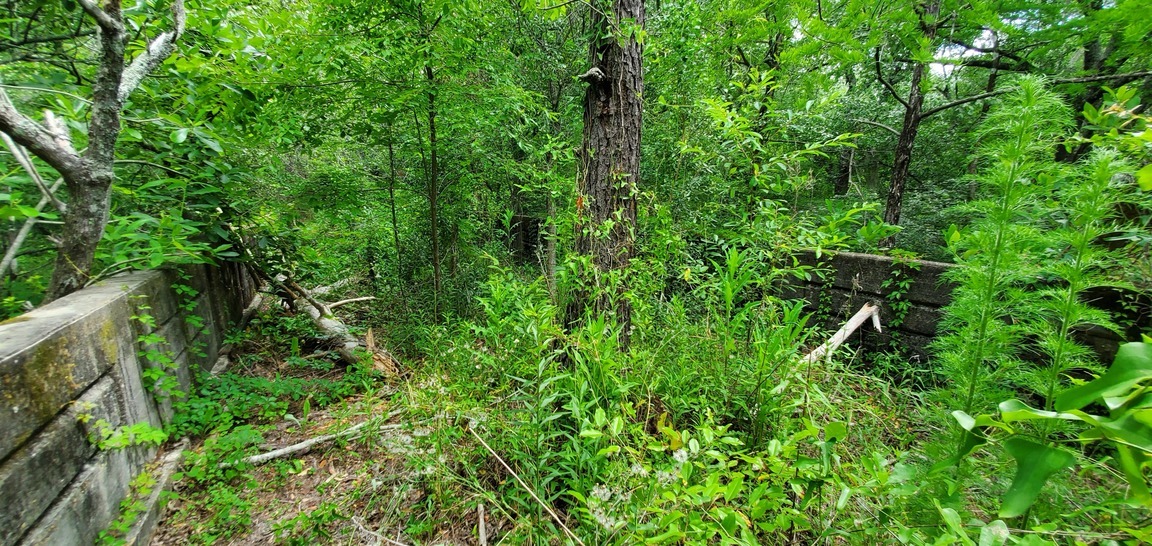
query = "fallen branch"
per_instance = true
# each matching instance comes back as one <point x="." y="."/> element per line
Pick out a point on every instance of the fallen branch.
<point x="332" y="306"/>
<point x="349" y="346"/>
<point x="528" y="489"/>
<point x="481" y="528"/>
<point x="869" y="311"/>
<point x="356" y="520"/>
<point x="224" y="356"/>
<point x="306" y="445"/>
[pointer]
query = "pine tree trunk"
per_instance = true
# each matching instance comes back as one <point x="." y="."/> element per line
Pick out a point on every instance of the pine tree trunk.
<point x="607" y="187"/>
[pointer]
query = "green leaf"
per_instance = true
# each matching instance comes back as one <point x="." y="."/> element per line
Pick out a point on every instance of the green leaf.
<point x="994" y="534"/>
<point x="835" y="431"/>
<point x="179" y="135"/>
<point x="952" y="520"/>
<point x="1035" y="463"/>
<point x="968" y="444"/>
<point x="1132" y="461"/>
<point x="1015" y="410"/>
<point x="1144" y="177"/>
<point x="1132" y="365"/>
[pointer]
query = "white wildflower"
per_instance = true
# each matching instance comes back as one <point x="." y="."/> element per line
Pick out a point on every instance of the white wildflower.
<point x="601" y="492"/>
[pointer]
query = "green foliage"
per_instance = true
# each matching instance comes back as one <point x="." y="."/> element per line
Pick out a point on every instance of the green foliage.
<point x="139" y="489"/>
<point x="105" y="436"/>
<point x="1123" y="389"/>
<point x="983" y="324"/>
<point x="310" y="527"/>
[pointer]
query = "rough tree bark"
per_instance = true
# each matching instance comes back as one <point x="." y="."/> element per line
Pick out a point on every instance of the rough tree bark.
<point x="928" y="13"/>
<point x="607" y="185"/>
<point x="89" y="177"/>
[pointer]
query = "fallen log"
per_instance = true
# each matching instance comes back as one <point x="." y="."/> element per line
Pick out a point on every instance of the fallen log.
<point x="348" y="346"/>
<point x="869" y="311"/>
<point x="307" y="445"/>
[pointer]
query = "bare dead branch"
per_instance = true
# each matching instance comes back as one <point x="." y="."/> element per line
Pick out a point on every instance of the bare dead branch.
<point x="14" y="248"/>
<point x="158" y="49"/>
<point x="308" y="444"/>
<point x="350" y="300"/>
<point x="878" y="124"/>
<point x="869" y="311"/>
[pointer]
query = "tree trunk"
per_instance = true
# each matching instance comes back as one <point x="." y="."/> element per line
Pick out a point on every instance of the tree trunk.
<point x="433" y="190"/>
<point x="83" y="228"/>
<point x="844" y="175"/>
<point x="392" y="201"/>
<point x="1094" y="65"/>
<point x="89" y="177"/>
<point x="607" y="187"/>
<point x="929" y="13"/>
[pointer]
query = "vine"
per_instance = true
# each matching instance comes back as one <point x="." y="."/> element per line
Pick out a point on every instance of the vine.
<point x="897" y="285"/>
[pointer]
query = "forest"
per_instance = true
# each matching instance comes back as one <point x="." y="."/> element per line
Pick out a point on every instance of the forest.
<point x="529" y="266"/>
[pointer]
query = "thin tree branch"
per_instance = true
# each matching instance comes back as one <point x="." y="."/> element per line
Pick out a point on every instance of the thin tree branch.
<point x="1088" y="79"/>
<point x="46" y="39"/>
<point x="26" y="163"/>
<point x="1062" y="81"/>
<point x="880" y="125"/>
<point x="106" y="21"/>
<point x="14" y="248"/>
<point x="959" y="102"/>
<point x="995" y="50"/>
<point x="46" y="90"/>
<point x="888" y="86"/>
<point x="36" y="138"/>
<point x="168" y="170"/>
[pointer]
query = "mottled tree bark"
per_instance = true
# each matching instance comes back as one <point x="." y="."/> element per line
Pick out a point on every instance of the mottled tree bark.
<point x="608" y="182"/>
<point x="89" y="177"/>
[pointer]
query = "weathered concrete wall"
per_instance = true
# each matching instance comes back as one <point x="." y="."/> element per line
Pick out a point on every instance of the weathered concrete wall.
<point x="81" y="355"/>
<point x="853" y="279"/>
